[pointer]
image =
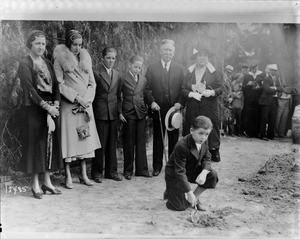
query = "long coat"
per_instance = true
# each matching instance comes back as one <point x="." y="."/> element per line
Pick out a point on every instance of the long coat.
<point x="208" y="106"/>
<point x="252" y="92"/>
<point x="34" y="130"/>
<point x="75" y="79"/>
<point x="107" y="100"/>
<point x="133" y="103"/>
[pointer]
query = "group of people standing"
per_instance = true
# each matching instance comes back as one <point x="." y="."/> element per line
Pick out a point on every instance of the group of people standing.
<point x="71" y="110"/>
<point x="258" y="102"/>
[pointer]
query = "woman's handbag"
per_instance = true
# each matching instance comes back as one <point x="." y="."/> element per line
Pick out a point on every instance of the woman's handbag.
<point x="83" y="130"/>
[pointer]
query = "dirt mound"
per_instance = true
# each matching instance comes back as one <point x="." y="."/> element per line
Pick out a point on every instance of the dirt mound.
<point x="277" y="180"/>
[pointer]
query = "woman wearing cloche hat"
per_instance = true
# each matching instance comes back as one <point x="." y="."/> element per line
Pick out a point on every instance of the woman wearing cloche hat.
<point x="202" y="85"/>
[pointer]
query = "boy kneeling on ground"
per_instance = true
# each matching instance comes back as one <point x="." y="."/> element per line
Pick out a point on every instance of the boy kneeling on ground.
<point x="190" y="162"/>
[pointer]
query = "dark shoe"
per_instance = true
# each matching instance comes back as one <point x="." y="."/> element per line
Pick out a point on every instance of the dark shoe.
<point x="116" y="177"/>
<point x="52" y="191"/>
<point x="264" y="138"/>
<point x="215" y="155"/>
<point x="165" y="195"/>
<point x="128" y="177"/>
<point x="271" y="138"/>
<point x="37" y="195"/>
<point x="98" y="179"/>
<point x="87" y="183"/>
<point x="147" y="175"/>
<point x="155" y="173"/>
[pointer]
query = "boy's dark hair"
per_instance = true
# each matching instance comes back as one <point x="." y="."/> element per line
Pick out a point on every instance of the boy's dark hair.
<point x="135" y="58"/>
<point x="108" y="49"/>
<point x="202" y="122"/>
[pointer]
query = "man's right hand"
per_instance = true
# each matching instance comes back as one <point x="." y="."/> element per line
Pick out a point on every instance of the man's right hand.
<point x="155" y="106"/>
<point x="191" y="198"/>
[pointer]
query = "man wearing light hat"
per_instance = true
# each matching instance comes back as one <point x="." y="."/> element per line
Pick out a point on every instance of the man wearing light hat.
<point x="202" y="87"/>
<point x="269" y="103"/>
<point x="163" y="91"/>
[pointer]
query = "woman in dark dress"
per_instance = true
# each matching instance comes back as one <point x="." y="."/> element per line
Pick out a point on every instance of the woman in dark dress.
<point x="202" y="87"/>
<point x="41" y="147"/>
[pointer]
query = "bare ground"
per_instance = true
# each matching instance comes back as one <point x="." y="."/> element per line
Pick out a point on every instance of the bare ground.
<point x="258" y="196"/>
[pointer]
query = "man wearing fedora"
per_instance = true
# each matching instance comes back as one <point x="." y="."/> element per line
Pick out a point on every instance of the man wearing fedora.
<point x="202" y="87"/>
<point x="163" y="91"/>
<point x="269" y="103"/>
<point x="252" y="89"/>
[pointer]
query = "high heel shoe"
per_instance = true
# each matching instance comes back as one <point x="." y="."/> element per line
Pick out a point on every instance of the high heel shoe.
<point x="37" y="195"/>
<point x="69" y="185"/>
<point x="52" y="191"/>
<point x="87" y="183"/>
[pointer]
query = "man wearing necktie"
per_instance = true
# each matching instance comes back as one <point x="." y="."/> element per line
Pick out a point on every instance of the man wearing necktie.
<point x="163" y="91"/>
<point x="269" y="103"/>
<point x="133" y="115"/>
<point x="106" y="114"/>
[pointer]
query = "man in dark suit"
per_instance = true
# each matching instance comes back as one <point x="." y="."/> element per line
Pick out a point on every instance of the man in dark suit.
<point x="106" y="114"/>
<point x="252" y="89"/>
<point x="269" y="103"/>
<point x="163" y="90"/>
<point x="133" y="115"/>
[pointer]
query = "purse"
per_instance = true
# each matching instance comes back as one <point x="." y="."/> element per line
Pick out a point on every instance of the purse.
<point x="83" y="131"/>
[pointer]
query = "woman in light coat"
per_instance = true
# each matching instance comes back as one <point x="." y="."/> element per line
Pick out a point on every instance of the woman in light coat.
<point x="73" y="69"/>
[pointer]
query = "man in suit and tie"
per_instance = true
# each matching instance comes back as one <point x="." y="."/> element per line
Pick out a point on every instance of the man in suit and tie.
<point x="269" y="103"/>
<point x="133" y="115"/>
<point x="106" y="114"/>
<point x="163" y="90"/>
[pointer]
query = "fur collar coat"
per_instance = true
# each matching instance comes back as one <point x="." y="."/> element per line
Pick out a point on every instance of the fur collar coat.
<point x="68" y="61"/>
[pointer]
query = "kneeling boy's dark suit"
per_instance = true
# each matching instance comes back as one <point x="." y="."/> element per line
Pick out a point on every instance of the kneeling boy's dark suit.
<point x="184" y="166"/>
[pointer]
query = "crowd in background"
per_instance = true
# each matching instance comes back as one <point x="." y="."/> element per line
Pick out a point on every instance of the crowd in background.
<point x="255" y="103"/>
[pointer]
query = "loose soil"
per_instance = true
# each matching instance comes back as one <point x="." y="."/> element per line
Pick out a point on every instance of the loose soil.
<point x="258" y="196"/>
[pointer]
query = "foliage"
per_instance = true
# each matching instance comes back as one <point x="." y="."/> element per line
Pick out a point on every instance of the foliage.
<point x="230" y="44"/>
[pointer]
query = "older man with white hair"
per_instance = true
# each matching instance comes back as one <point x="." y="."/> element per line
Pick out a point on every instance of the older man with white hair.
<point x="163" y="91"/>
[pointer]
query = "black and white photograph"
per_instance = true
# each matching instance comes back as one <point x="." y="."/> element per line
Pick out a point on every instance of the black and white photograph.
<point x="149" y="119"/>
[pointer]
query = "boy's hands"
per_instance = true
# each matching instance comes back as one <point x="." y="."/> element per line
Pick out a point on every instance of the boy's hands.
<point x="191" y="198"/>
<point x="202" y="177"/>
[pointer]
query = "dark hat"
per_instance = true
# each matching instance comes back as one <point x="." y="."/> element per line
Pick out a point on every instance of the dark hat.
<point x="173" y="119"/>
<point x="32" y="35"/>
<point x="201" y="48"/>
<point x="245" y="65"/>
